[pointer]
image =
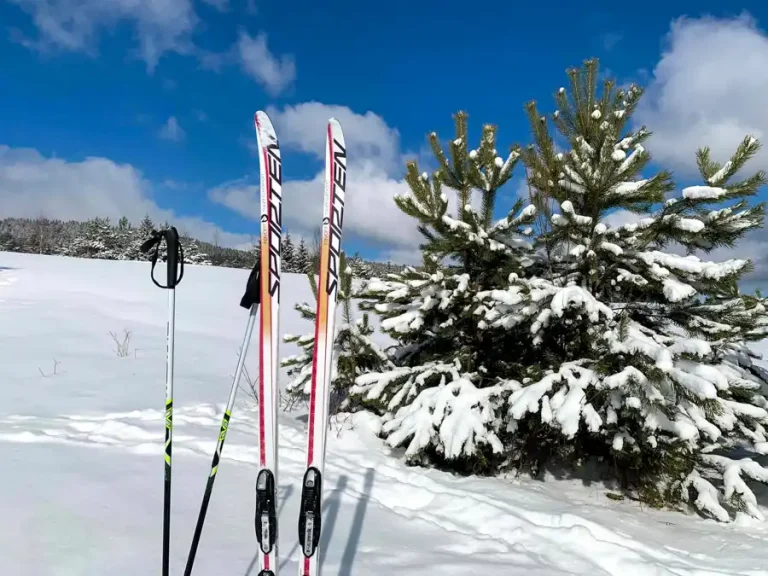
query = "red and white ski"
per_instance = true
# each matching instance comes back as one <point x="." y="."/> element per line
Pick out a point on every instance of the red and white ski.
<point x="262" y="291"/>
<point x="325" y="322"/>
<point x="271" y="235"/>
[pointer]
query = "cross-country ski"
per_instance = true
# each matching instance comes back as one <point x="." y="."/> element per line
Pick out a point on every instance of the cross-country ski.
<point x="310" y="512"/>
<point x="269" y="340"/>
<point x="292" y="290"/>
<point x="263" y="287"/>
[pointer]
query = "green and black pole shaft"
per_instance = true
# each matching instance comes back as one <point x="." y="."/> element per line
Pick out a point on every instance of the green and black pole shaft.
<point x="175" y="272"/>
<point x="250" y="300"/>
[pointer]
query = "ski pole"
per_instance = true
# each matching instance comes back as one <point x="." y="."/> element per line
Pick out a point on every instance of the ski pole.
<point x="175" y="272"/>
<point x="250" y="300"/>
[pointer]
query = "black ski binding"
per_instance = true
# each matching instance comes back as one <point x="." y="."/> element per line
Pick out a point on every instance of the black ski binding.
<point x="266" y="573"/>
<point x="266" y="516"/>
<point x="309" y="515"/>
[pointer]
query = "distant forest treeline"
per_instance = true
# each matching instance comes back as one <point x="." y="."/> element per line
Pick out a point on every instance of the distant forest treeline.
<point x="101" y="238"/>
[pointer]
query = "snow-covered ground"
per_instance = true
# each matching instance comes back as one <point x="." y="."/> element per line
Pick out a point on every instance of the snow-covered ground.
<point x="81" y="443"/>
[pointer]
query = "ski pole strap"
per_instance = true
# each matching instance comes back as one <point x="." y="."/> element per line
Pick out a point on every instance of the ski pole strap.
<point x="174" y="256"/>
<point x="252" y="288"/>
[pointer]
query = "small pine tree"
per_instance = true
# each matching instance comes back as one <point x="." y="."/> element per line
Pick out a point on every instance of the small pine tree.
<point x="146" y="226"/>
<point x="8" y="242"/>
<point x="41" y="240"/>
<point x="354" y="353"/>
<point x="443" y="400"/>
<point x="360" y="268"/>
<point x="137" y="237"/>
<point x="96" y="239"/>
<point x="193" y="254"/>
<point x="287" y="255"/>
<point x="124" y="235"/>
<point x="638" y="354"/>
<point x="302" y="259"/>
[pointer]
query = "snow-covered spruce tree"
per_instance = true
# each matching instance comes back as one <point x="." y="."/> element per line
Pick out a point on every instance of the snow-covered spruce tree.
<point x="643" y="356"/>
<point x="360" y="268"/>
<point x="193" y="253"/>
<point x="287" y="255"/>
<point x="124" y="233"/>
<point x="8" y="242"/>
<point x="445" y="397"/>
<point x="302" y="260"/>
<point x="138" y="236"/>
<point x="354" y="351"/>
<point x="97" y="238"/>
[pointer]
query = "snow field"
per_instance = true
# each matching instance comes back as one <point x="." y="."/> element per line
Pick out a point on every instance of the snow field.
<point x="82" y="494"/>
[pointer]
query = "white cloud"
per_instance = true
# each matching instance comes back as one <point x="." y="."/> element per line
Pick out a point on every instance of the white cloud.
<point x="522" y="190"/>
<point x="159" y="26"/>
<point x="171" y="130"/>
<point x="622" y="217"/>
<point x="215" y="61"/>
<point x="75" y="25"/>
<point x="32" y="185"/>
<point x="370" y="211"/>
<point x="274" y="73"/>
<point x="412" y="256"/>
<point x="174" y="184"/>
<point x="368" y="137"/>
<point x="240" y="196"/>
<point x="708" y="89"/>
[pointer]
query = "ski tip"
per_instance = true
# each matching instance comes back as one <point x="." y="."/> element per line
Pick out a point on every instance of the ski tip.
<point x="335" y="131"/>
<point x="264" y="129"/>
<point x="261" y="119"/>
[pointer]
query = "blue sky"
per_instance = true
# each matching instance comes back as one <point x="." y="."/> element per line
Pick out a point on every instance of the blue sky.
<point x="112" y="107"/>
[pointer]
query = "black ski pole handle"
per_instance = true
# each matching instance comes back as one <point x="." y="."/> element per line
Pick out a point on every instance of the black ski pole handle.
<point x="174" y="256"/>
<point x="252" y="288"/>
<point x="148" y="244"/>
